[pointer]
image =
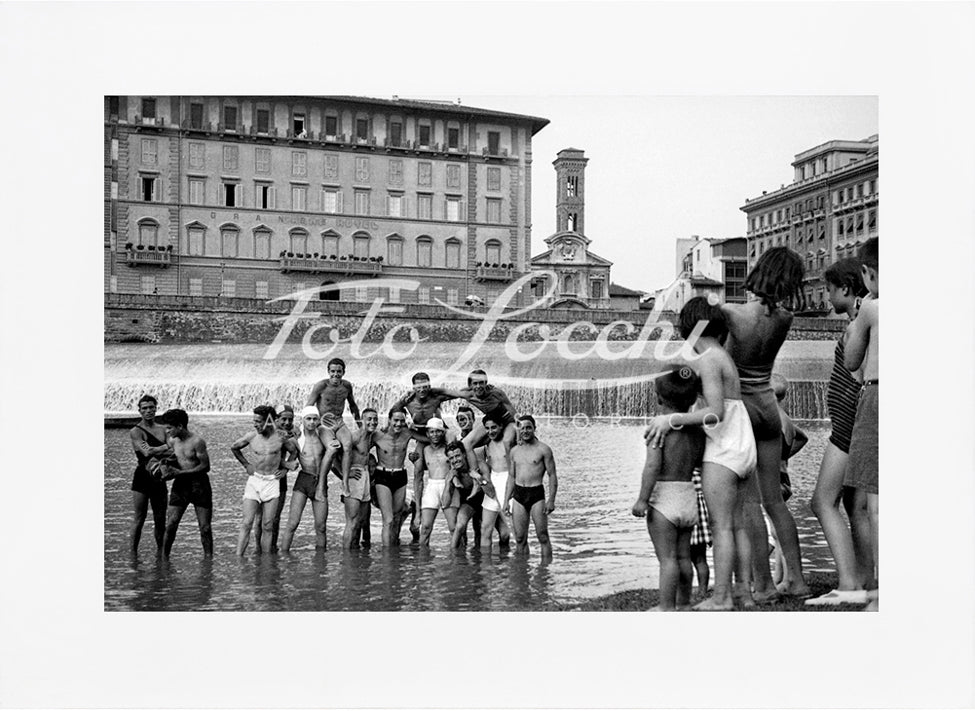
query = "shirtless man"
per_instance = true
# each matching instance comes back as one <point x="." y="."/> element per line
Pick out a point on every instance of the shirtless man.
<point x="493" y="403"/>
<point x="530" y="460"/>
<point x="466" y="492"/>
<point x="330" y="396"/>
<point x="275" y="455"/>
<point x="390" y="475"/>
<point x="191" y="484"/>
<point x="148" y="440"/>
<point x="356" y="481"/>
<point x="431" y="491"/>
<point x="316" y="446"/>
<point x="492" y="464"/>
<point x="285" y="424"/>
<point x="422" y="404"/>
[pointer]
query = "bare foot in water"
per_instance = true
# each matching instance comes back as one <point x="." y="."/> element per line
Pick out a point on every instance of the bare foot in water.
<point x="766" y="598"/>
<point x="794" y="588"/>
<point x="712" y="605"/>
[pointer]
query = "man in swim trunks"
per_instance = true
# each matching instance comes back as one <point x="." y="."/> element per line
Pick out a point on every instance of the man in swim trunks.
<point x="492" y="463"/>
<point x="330" y="396"/>
<point x="356" y="483"/>
<point x="148" y="440"/>
<point x="422" y="404"/>
<point x="493" y="403"/>
<point x="316" y="445"/>
<point x="390" y="476"/>
<point x="191" y="484"/>
<point x="275" y="455"/>
<point x="531" y="459"/>
<point x="466" y="493"/>
<point x="285" y="424"/>
<point x="431" y="490"/>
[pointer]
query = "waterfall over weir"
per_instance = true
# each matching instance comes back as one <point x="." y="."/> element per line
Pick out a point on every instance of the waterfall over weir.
<point x="234" y="378"/>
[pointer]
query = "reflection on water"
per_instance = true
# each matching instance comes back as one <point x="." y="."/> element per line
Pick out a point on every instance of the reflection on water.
<point x="599" y="548"/>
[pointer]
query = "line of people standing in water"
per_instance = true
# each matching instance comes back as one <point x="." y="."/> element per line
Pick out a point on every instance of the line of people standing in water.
<point x="495" y="470"/>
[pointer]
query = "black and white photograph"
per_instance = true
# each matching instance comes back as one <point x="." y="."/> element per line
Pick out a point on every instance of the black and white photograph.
<point x="542" y="308"/>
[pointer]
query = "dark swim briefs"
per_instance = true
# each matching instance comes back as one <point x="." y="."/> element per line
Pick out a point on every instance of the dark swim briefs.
<point x="528" y="496"/>
<point x="392" y="479"/>
<point x="191" y="489"/>
<point x="306" y="483"/>
<point x="145" y="483"/>
<point x="466" y="500"/>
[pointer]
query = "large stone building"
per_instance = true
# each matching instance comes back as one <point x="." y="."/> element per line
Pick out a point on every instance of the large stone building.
<point x="582" y="277"/>
<point x="825" y="214"/>
<point x="260" y="196"/>
<point x="704" y="267"/>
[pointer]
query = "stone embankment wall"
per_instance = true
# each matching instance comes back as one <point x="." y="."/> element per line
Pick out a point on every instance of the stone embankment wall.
<point x="134" y="318"/>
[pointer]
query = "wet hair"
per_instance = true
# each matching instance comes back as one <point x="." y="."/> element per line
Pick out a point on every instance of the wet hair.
<point x="477" y="371"/>
<point x="465" y="408"/>
<point x="700" y="309"/>
<point x="678" y="388"/>
<point x="451" y="446"/>
<point x="780" y="386"/>
<point x="336" y="361"/>
<point x="266" y="411"/>
<point x="418" y="377"/>
<point x="147" y="398"/>
<point x="395" y="411"/>
<point x="368" y="409"/>
<point x="489" y="418"/>
<point x="174" y="417"/>
<point x="777" y="278"/>
<point x="869" y="254"/>
<point x="529" y="418"/>
<point x="846" y="273"/>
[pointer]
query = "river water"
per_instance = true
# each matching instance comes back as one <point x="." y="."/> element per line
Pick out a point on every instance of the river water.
<point x="599" y="547"/>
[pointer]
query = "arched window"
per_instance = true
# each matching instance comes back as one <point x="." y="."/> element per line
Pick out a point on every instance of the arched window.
<point x="148" y="232"/>
<point x="360" y="245"/>
<point x="298" y="242"/>
<point x="492" y="252"/>
<point x="453" y="253"/>
<point x="424" y="251"/>
<point x="330" y="247"/>
<point x="262" y="242"/>
<point x="228" y="240"/>
<point x="568" y="284"/>
<point x="196" y="239"/>
<point x="394" y="250"/>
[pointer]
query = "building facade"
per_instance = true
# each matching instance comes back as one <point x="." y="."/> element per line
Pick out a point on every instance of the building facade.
<point x="825" y="214"/>
<point x="262" y="196"/>
<point x="582" y="276"/>
<point x="706" y="266"/>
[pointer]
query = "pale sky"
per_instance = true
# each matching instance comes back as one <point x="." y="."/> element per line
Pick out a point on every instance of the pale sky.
<point x="667" y="167"/>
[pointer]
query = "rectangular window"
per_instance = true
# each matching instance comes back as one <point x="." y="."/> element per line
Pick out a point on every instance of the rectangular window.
<point x="424" y="207"/>
<point x="298" y="125"/>
<point x="149" y="108"/>
<point x="394" y="206"/>
<point x="571" y="185"/>
<point x="149" y="148"/>
<point x="331" y="198"/>
<point x="261" y="290"/>
<point x="453" y="255"/>
<point x="331" y="166"/>
<point x="452" y="208"/>
<point x="494" y="210"/>
<point x="263" y="121"/>
<point x="453" y="176"/>
<point x="196" y="191"/>
<point x="196" y="286"/>
<point x="362" y="202"/>
<point x="196" y="115"/>
<point x="424" y="253"/>
<point x="262" y="244"/>
<point x="872" y="220"/>
<point x="396" y="133"/>
<point x="331" y="126"/>
<point x="230" y="159"/>
<point x="231" y="195"/>
<point x="229" y="288"/>
<point x="424" y="135"/>
<point x="299" y="164"/>
<point x="494" y="143"/>
<point x="394" y="252"/>
<point x="362" y="170"/>
<point x="493" y="178"/>
<point x="492" y="253"/>
<point x="299" y="198"/>
<point x="423" y="295"/>
<point x="453" y="138"/>
<point x="148" y="284"/>
<point x="147" y="234"/>
<point x="148" y="188"/>
<point x="229" y="118"/>
<point x="228" y="243"/>
<point x="424" y="175"/>
<point x="859" y="190"/>
<point x="360" y="247"/>
<point x="264" y="196"/>
<point x="361" y="130"/>
<point x="452" y="297"/>
<point x="596" y="289"/>
<point x="195" y="239"/>
<point x="330" y="246"/>
<point x="395" y="172"/>
<point x="197" y="155"/>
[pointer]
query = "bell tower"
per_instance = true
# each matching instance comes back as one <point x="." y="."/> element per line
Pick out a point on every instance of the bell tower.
<point x="570" y="187"/>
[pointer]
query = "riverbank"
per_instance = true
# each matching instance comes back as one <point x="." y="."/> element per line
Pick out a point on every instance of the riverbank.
<point x="639" y="600"/>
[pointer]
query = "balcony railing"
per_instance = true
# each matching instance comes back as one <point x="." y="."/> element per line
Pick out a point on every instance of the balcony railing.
<point x="494" y="273"/>
<point x="332" y="266"/>
<point x="144" y="257"/>
<point x="500" y="152"/>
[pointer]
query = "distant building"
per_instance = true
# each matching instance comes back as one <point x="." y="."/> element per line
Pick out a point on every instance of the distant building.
<point x="623" y="299"/>
<point x="825" y="214"/>
<point x="706" y="266"/>
<point x="260" y="196"/>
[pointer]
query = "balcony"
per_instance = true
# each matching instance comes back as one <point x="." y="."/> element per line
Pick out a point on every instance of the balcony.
<point x="148" y="121"/>
<point x="271" y="132"/>
<point x="499" y="153"/>
<point x="148" y="258"/>
<point x="317" y="265"/>
<point x="333" y="138"/>
<point x="486" y="273"/>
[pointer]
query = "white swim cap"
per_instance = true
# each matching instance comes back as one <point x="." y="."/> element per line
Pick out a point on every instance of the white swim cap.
<point x="435" y="423"/>
<point x="308" y="411"/>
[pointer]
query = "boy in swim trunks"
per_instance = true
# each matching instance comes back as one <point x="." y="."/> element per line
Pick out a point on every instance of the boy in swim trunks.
<point x="285" y="424"/>
<point x="729" y="452"/>
<point x="422" y="404"/>
<point x="390" y="476"/>
<point x="316" y="445"/>
<point x="357" y="481"/>
<point x="275" y="455"/>
<point x="667" y="496"/>
<point x="431" y="489"/>
<point x="330" y="396"/>
<point x="492" y="463"/>
<point x="863" y="352"/>
<point x="191" y="485"/>
<point x="530" y="460"/>
<point x="466" y="493"/>
<point x="148" y="440"/>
